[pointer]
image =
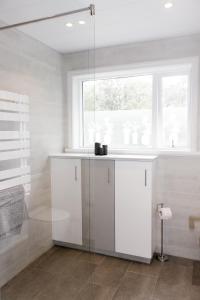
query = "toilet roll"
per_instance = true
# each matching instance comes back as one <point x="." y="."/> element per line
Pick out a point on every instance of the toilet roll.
<point x="165" y="213"/>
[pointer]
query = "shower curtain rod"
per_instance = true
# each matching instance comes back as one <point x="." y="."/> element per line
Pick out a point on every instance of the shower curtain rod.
<point x="91" y="8"/>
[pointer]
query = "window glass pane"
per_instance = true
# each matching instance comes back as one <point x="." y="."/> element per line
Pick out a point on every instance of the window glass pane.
<point x="174" y="111"/>
<point x="122" y="109"/>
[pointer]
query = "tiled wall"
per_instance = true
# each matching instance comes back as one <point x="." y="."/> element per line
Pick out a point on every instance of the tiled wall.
<point x="178" y="178"/>
<point x="28" y="67"/>
<point x="178" y="186"/>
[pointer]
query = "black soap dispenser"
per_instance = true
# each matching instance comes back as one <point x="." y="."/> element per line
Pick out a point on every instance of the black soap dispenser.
<point x="105" y="149"/>
<point x="97" y="148"/>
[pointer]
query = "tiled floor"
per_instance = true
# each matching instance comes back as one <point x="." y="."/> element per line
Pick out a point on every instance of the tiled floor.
<point x="63" y="274"/>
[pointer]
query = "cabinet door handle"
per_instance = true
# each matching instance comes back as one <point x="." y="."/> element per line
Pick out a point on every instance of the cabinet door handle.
<point x="108" y="175"/>
<point x="145" y="177"/>
<point x="75" y="173"/>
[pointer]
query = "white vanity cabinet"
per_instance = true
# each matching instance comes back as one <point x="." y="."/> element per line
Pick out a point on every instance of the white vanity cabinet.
<point x="66" y="197"/>
<point x="108" y="202"/>
<point x="102" y="205"/>
<point x="133" y="208"/>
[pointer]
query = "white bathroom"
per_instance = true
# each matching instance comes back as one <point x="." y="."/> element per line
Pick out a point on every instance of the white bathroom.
<point x="99" y="150"/>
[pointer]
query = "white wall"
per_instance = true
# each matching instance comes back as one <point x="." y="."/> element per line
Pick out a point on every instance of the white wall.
<point x="28" y="67"/>
<point x="178" y="178"/>
<point x="185" y="46"/>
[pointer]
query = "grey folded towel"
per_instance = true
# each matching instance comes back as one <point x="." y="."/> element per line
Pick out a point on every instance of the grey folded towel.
<point x="12" y="211"/>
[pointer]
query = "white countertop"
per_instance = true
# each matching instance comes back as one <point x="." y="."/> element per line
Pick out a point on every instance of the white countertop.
<point x="104" y="157"/>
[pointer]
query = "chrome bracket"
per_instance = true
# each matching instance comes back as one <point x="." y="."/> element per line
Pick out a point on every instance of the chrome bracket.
<point x="92" y="9"/>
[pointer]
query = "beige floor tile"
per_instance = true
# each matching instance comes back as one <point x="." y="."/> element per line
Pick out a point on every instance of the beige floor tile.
<point x="96" y="292"/>
<point x="92" y="257"/>
<point x="196" y="273"/>
<point x="43" y="258"/>
<point x="175" y="274"/>
<point x="110" y="272"/>
<point x="135" y="287"/>
<point x="83" y="270"/>
<point x="164" y="291"/>
<point x="62" y="289"/>
<point x="180" y="261"/>
<point x="153" y="269"/>
<point x="63" y="274"/>
<point x="27" y="285"/>
<point x="195" y="293"/>
<point x="62" y="261"/>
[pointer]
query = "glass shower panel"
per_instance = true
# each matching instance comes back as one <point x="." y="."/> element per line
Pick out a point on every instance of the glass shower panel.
<point x="15" y="159"/>
<point x="44" y="193"/>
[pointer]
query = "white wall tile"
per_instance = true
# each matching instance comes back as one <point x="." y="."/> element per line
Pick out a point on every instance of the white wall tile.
<point x="177" y="178"/>
<point x="28" y="67"/>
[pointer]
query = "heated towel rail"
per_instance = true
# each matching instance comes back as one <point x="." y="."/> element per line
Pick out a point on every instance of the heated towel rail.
<point x="14" y="141"/>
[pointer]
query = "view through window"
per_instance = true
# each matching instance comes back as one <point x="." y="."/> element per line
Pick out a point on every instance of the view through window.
<point x="174" y="111"/>
<point x="123" y="111"/>
<point x="145" y="111"/>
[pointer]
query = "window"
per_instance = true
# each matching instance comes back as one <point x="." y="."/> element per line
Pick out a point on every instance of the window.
<point x="123" y="111"/>
<point x="135" y="109"/>
<point x="174" y="103"/>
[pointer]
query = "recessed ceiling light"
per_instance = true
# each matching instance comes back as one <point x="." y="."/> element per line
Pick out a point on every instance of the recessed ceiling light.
<point x="81" y="22"/>
<point x="168" y="4"/>
<point x="69" y="24"/>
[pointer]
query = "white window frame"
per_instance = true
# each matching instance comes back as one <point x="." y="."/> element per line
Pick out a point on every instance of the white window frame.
<point x="188" y="66"/>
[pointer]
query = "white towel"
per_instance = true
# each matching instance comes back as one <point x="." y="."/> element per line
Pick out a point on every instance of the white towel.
<point x="12" y="211"/>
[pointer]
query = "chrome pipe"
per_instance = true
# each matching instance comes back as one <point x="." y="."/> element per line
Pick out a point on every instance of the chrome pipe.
<point x="91" y="8"/>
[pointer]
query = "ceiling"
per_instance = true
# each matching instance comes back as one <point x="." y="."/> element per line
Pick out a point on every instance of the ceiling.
<point x="116" y="22"/>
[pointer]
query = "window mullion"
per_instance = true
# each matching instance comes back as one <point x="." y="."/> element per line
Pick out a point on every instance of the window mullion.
<point x="159" y="112"/>
<point x="81" y="115"/>
<point x="191" y="116"/>
<point x="155" y="112"/>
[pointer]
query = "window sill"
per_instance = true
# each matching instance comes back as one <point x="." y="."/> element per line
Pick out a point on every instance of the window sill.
<point x="160" y="153"/>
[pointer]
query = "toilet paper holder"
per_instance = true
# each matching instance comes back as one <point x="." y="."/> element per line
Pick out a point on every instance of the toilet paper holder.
<point x="161" y="256"/>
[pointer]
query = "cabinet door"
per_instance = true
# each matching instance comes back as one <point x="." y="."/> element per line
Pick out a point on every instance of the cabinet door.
<point x="102" y="205"/>
<point x="66" y="197"/>
<point x="133" y="208"/>
<point x="86" y="207"/>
